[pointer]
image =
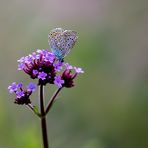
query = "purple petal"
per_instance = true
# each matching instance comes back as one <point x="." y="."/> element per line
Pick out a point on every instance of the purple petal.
<point x="42" y="75"/>
<point x="21" y="66"/>
<point x="35" y="72"/>
<point x="21" y="60"/>
<point x="31" y="87"/>
<point x="20" y="94"/>
<point x="78" y="70"/>
<point x="58" y="81"/>
<point x="69" y="67"/>
<point x="58" y="66"/>
<point x="12" y="88"/>
<point x="20" y="85"/>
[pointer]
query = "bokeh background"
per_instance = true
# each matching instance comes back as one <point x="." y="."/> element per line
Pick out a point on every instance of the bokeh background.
<point x="108" y="107"/>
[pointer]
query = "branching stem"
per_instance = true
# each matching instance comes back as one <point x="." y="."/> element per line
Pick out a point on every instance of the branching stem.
<point x="43" y="119"/>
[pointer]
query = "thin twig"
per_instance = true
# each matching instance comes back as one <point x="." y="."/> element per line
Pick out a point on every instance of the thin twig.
<point x="51" y="101"/>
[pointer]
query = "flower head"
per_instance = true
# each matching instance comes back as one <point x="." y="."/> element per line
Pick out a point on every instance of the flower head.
<point x="39" y="65"/>
<point x="44" y="66"/>
<point x="22" y="95"/>
<point x="68" y="76"/>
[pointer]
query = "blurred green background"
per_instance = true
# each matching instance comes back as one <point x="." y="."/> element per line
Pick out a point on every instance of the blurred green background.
<point x="108" y="107"/>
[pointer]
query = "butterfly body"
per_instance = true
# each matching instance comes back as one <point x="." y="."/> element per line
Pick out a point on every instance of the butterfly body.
<point x="61" y="42"/>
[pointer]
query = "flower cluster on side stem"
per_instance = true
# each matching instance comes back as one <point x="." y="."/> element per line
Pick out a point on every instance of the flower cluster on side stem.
<point x="22" y="94"/>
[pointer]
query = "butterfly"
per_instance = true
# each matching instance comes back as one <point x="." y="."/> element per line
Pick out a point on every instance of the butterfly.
<point x="61" y="42"/>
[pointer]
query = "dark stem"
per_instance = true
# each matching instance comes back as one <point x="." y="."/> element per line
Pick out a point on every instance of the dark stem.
<point x="43" y="119"/>
<point x="51" y="101"/>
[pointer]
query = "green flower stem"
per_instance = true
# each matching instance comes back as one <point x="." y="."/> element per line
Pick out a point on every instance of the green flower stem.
<point x="43" y="119"/>
<point x="51" y="101"/>
<point x="34" y="109"/>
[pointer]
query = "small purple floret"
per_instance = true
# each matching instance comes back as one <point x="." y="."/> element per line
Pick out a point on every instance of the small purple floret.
<point x="22" y="59"/>
<point x="58" y="81"/>
<point x="58" y="66"/>
<point x="20" y="85"/>
<point x="78" y="70"/>
<point x="21" y="66"/>
<point x="69" y="67"/>
<point x="42" y="75"/>
<point x="35" y="72"/>
<point x="13" y="87"/>
<point x="20" y="94"/>
<point x="49" y="57"/>
<point x="31" y="87"/>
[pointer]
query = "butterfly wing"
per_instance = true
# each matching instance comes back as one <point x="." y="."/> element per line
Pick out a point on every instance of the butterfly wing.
<point x="53" y="37"/>
<point x="61" y="41"/>
<point x="70" y="40"/>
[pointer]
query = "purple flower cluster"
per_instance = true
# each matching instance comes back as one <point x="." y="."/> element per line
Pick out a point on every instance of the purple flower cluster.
<point x="43" y="65"/>
<point x="22" y="95"/>
<point x="68" y="75"/>
<point x="40" y="65"/>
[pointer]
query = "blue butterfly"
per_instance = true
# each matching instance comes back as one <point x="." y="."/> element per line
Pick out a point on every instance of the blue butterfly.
<point x="61" y="42"/>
